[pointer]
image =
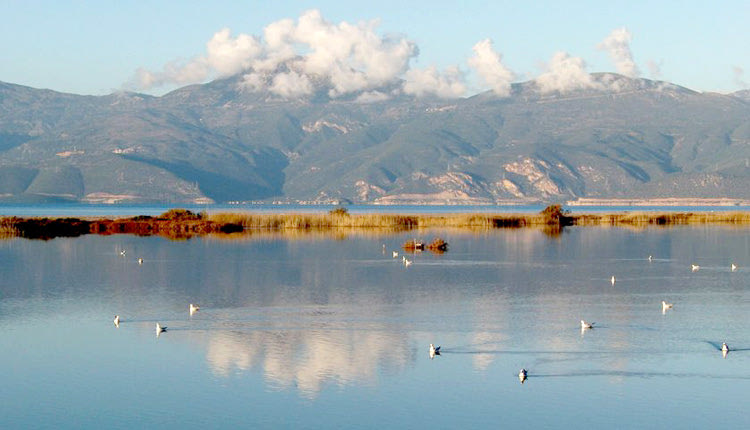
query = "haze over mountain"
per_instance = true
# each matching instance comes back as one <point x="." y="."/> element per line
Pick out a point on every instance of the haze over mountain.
<point x="619" y="137"/>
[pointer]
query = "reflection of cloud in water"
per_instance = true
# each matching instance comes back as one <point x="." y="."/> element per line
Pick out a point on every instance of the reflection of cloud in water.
<point x="309" y="359"/>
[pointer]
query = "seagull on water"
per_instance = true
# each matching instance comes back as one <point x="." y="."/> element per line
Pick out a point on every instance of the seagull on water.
<point x="122" y="252"/>
<point x="695" y="267"/>
<point x="434" y="351"/>
<point x="612" y="280"/>
<point x="160" y="329"/>
<point x="193" y="308"/>
<point x="117" y="321"/>
<point x="522" y="375"/>
<point x="585" y="325"/>
<point x="733" y="267"/>
<point x="650" y="258"/>
<point x="407" y="263"/>
<point x="724" y="350"/>
<point x="395" y="254"/>
<point x="140" y="261"/>
<point x="665" y="305"/>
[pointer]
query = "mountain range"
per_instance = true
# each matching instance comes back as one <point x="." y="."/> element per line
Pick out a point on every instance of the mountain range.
<point x="217" y="142"/>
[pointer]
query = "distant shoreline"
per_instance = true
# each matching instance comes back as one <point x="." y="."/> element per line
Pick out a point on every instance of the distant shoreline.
<point x="181" y="223"/>
<point x="667" y="201"/>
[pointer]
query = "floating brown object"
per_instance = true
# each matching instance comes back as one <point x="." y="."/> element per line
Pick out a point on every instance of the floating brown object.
<point x="438" y="245"/>
<point x="414" y="245"/>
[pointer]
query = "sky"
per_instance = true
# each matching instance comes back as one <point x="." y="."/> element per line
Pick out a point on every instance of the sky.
<point x="446" y="48"/>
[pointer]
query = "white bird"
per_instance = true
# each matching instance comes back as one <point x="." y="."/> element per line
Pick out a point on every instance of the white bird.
<point x="117" y="321"/>
<point x="585" y="325"/>
<point x="695" y="267"/>
<point x="395" y="254"/>
<point x="193" y="308"/>
<point x="160" y="329"/>
<point x="612" y="280"/>
<point x="724" y="350"/>
<point x="140" y="261"/>
<point x="665" y="305"/>
<point x="650" y="258"/>
<point x="733" y="267"/>
<point x="522" y="375"/>
<point x="434" y="351"/>
<point x="122" y="252"/>
<point x="407" y="263"/>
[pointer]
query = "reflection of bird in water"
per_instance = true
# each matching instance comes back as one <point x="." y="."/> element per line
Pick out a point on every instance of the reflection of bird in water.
<point x="522" y="375"/>
<point x="695" y="267"/>
<point x="193" y="308"/>
<point x="434" y="351"/>
<point x="117" y="321"/>
<point x="395" y="254"/>
<point x="585" y="325"/>
<point x="724" y="350"/>
<point x="665" y="305"/>
<point x="612" y="280"/>
<point x="733" y="267"/>
<point x="160" y="329"/>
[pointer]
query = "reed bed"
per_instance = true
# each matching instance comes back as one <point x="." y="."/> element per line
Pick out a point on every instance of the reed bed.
<point x="381" y="221"/>
<point x="8" y="228"/>
<point x="663" y="218"/>
<point x="182" y="224"/>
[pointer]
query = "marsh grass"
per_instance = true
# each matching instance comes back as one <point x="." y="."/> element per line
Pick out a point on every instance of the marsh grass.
<point x="184" y="224"/>
<point x="386" y="221"/>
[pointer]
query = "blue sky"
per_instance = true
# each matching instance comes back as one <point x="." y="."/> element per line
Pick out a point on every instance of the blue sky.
<point x="96" y="47"/>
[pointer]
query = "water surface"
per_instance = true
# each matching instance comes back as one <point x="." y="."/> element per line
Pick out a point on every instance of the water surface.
<point x="334" y="332"/>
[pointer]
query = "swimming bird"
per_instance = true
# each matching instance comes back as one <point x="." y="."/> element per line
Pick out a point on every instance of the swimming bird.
<point x="522" y="375"/>
<point x="395" y="254"/>
<point x="665" y="305"/>
<point x="585" y="325"/>
<point x="122" y="252"/>
<point x="193" y="308"/>
<point x="612" y="280"/>
<point x="733" y="267"/>
<point x="650" y="258"/>
<point x="724" y="349"/>
<point x="117" y="321"/>
<point x="695" y="267"/>
<point x="434" y="351"/>
<point x="160" y="329"/>
<point x="407" y="263"/>
<point x="140" y="261"/>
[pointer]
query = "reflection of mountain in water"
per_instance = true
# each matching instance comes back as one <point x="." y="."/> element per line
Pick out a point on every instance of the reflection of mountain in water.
<point x="309" y="359"/>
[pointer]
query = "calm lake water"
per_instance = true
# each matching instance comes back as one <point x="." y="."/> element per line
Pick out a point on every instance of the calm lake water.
<point x="333" y="332"/>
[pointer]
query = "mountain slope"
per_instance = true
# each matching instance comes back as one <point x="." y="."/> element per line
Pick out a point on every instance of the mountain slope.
<point x="216" y="142"/>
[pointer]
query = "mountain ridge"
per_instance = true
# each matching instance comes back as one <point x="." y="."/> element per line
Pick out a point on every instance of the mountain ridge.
<point x="618" y="138"/>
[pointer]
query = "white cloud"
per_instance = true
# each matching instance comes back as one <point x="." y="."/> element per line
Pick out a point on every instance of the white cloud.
<point x="291" y="85"/>
<point x="227" y="55"/>
<point x="565" y="73"/>
<point x="487" y="62"/>
<point x="430" y="81"/>
<point x="617" y="44"/>
<point x="372" y="97"/>
<point x="654" y="69"/>
<point x="739" y="77"/>
<point x="351" y="57"/>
